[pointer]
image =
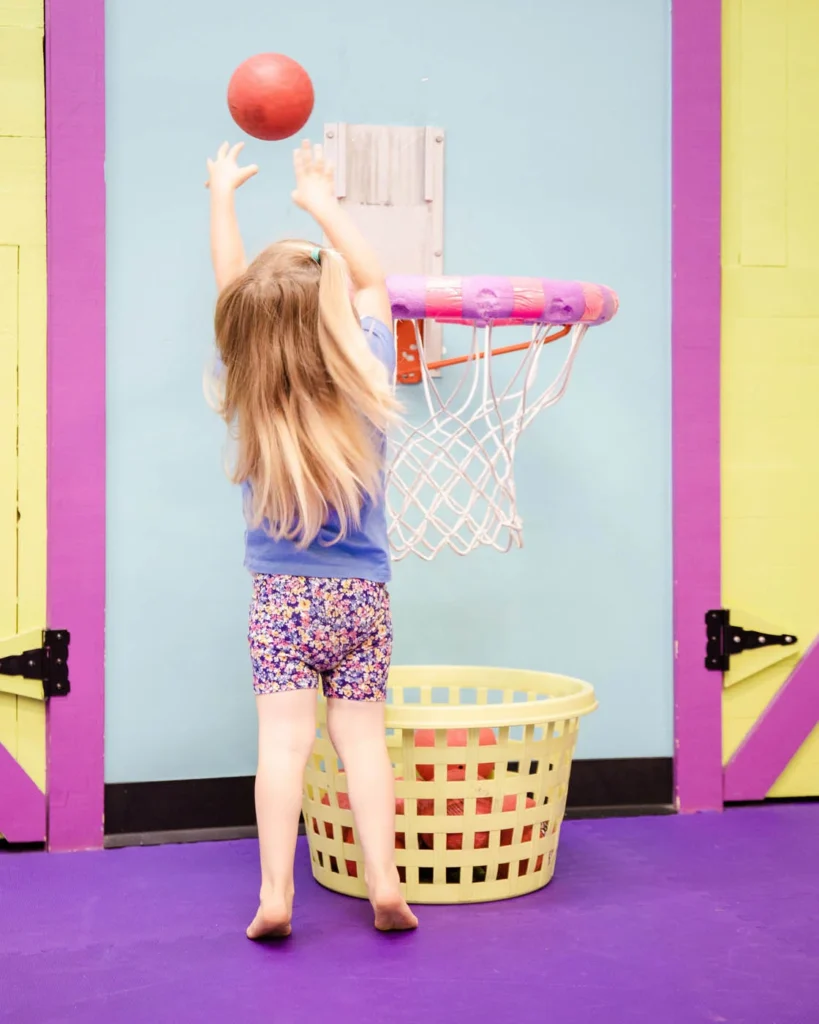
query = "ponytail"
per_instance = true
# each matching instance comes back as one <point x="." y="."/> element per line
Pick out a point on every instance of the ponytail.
<point x="308" y="399"/>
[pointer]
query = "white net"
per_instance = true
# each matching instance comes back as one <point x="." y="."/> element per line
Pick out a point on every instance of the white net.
<point x="451" y="476"/>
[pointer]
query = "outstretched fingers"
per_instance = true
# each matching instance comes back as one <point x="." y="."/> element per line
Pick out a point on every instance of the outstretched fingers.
<point x="309" y="159"/>
<point x="247" y="172"/>
<point x="224" y="170"/>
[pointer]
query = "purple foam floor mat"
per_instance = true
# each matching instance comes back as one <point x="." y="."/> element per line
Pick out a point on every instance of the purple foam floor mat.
<point x="668" y="920"/>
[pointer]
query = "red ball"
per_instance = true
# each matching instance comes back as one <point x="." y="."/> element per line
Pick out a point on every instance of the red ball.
<point x="454" y="738"/>
<point x="270" y="96"/>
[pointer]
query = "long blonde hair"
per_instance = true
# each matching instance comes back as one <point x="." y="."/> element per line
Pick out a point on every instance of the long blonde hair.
<point x="306" y="398"/>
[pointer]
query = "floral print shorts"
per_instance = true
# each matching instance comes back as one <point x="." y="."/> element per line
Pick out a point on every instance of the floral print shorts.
<point x="304" y="629"/>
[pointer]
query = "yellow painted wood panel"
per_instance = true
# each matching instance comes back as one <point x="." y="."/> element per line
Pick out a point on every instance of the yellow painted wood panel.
<point x="32" y="689"/>
<point x="759" y="659"/>
<point x="801" y="777"/>
<point x="22" y="373"/>
<point x="8" y="440"/>
<point x="767" y="292"/>
<point x="8" y="723"/>
<point x="14" y="645"/>
<point x="31" y="469"/>
<point x="22" y="191"/>
<point x="770" y="346"/>
<point x="22" y="13"/>
<point x="23" y="734"/>
<point x="21" y="641"/>
<point x="803" y="139"/>
<point x="761" y="133"/>
<point x="31" y="739"/>
<point x="8" y="475"/>
<point x="22" y="88"/>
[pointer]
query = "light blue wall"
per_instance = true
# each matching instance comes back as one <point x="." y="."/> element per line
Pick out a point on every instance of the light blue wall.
<point x="557" y="164"/>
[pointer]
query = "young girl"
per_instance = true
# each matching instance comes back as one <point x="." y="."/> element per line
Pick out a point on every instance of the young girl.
<point x="305" y="384"/>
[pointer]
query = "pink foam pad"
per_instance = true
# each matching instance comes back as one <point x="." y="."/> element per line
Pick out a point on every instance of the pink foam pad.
<point x="500" y="300"/>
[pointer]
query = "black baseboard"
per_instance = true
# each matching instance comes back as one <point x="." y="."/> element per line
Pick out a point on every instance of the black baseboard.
<point x="622" y="782"/>
<point x="598" y="787"/>
<point x="179" y="805"/>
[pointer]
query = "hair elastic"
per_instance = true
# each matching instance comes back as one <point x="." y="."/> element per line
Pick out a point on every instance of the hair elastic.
<point x="315" y="254"/>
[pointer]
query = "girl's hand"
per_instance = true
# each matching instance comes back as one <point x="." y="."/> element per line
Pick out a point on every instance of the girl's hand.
<point x="315" y="189"/>
<point x="224" y="173"/>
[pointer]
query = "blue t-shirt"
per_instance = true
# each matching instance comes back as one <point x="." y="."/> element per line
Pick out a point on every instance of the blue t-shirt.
<point x="364" y="553"/>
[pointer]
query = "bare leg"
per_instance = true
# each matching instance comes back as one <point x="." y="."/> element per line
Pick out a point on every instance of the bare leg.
<point x="287" y="729"/>
<point x="357" y="732"/>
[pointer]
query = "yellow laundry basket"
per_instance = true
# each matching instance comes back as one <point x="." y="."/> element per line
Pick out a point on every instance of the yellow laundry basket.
<point x="481" y="759"/>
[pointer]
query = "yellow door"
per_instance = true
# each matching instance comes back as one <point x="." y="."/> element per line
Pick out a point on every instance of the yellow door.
<point x="22" y="414"/>
<point x="770" y="370"/>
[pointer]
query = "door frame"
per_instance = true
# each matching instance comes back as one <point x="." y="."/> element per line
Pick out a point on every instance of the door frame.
<point x="75" y="495"/>
<point x="696" y="198"/>
<point x="702" y="782"/>
<point x="75" y="139"/>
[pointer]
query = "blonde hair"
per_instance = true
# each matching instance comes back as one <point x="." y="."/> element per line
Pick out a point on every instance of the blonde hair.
<point x="307" y="400"/>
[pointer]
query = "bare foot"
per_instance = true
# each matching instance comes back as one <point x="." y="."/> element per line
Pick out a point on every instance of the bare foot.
<point x="394" y="916"/>
<point x="391" y="911"/>
<point x="272" y="921"/>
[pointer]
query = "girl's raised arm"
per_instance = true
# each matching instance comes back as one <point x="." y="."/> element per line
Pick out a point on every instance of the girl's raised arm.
<point x="226" y="248"/>
<point x="316" y="194"/>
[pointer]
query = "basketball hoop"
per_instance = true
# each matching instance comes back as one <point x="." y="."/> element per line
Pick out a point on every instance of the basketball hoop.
<point x="450" y="480"/>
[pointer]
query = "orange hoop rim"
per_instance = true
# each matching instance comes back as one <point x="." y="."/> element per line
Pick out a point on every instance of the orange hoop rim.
<point x="414" y="376"/>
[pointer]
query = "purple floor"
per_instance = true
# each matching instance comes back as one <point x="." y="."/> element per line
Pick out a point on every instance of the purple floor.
<point x="712" y="918"/>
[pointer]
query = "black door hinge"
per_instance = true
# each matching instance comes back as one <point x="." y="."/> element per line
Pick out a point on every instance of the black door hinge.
<point x="725" y="639"/>
<point x="48" y="663"/>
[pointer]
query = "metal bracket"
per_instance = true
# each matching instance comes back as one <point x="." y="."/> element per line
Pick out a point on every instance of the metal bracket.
<point x="48" y="663"/>
<point x="724" y="639"/>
